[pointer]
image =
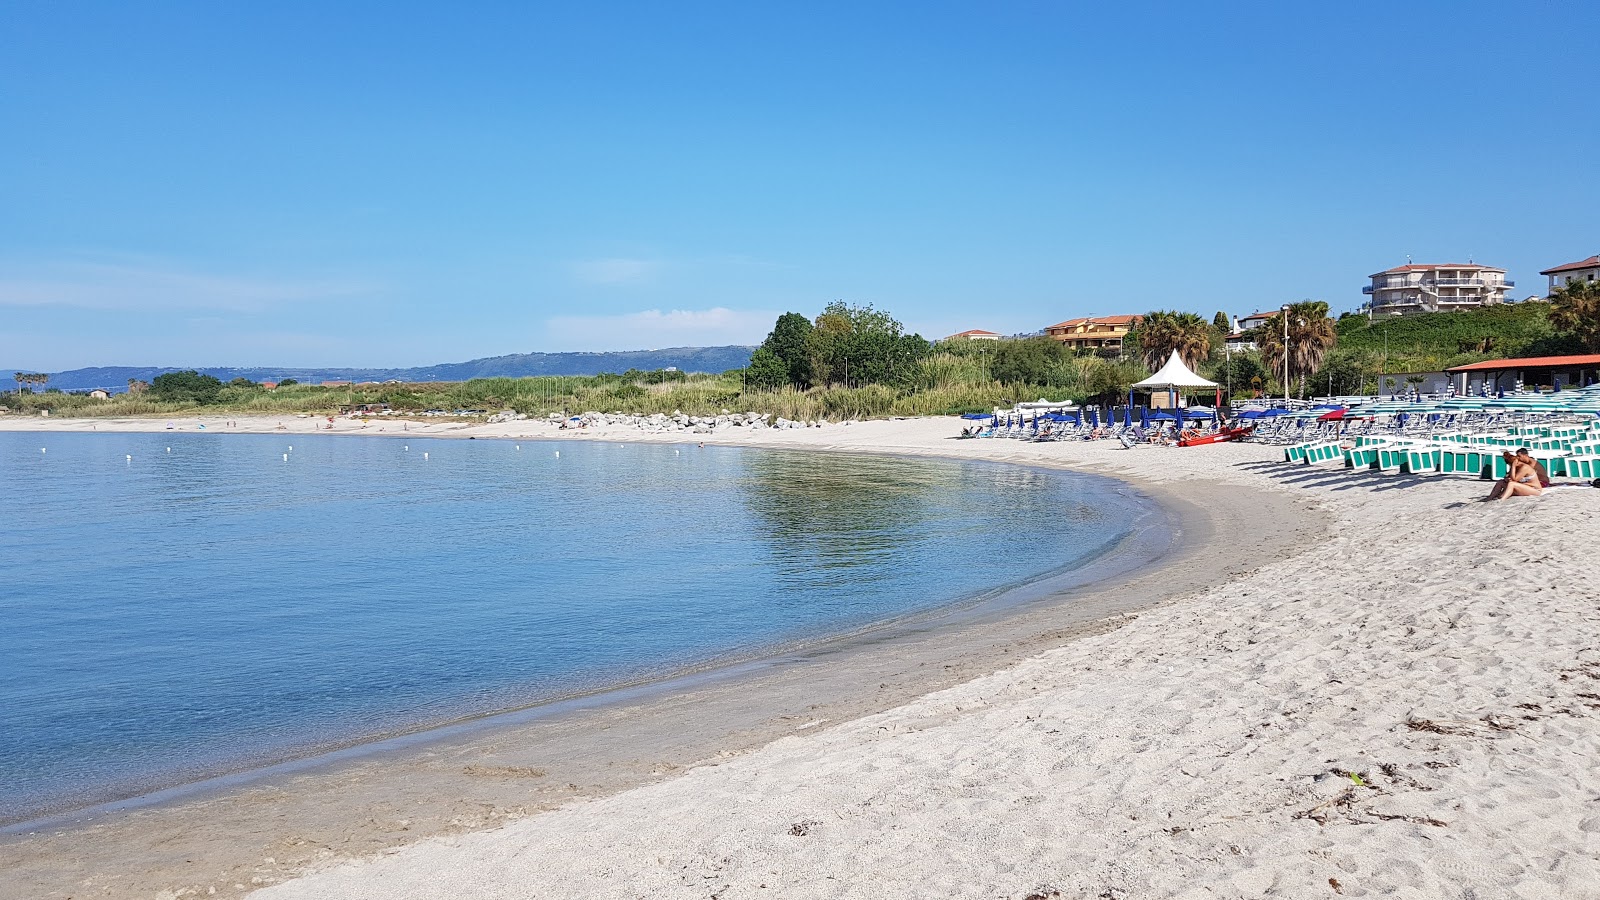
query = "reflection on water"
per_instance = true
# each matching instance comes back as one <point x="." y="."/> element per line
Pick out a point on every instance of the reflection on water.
<point x="184" y="614"/>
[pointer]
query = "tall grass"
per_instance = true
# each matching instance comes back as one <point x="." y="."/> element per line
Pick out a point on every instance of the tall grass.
<point x="941" y="384"/>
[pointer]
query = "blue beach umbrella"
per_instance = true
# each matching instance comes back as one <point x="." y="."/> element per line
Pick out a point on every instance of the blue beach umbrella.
<point x="1127" y="416"/>
<point x="1094" y="418"/>
<point x="1144" y="417"/>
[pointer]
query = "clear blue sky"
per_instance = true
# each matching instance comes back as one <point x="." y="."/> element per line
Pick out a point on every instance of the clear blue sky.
<point x="395" y="184"/>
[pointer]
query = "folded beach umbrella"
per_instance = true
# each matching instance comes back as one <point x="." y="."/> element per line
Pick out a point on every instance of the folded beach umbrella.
<point x="1127" y="416"/>
<point x="1144" y="417"/>
<point x="1094" y="418"/>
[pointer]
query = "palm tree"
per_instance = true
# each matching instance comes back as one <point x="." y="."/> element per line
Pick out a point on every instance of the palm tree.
<point x="1575" y="309"/>
<point x="21" y="378"/>
<point x="1163" y="331"/>
<point x="1311" y="335"/>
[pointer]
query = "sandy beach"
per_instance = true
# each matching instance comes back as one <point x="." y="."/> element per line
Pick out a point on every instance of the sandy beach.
<point x="1337" y="684"/>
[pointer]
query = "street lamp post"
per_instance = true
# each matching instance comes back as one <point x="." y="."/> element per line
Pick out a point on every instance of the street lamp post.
<point x="1285" y="312"/>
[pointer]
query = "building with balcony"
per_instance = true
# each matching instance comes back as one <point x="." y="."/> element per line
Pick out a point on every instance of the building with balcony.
<point x="1411" y="289"/>
<point x="1094" y="333"/>
<point x="1582" y="270"/>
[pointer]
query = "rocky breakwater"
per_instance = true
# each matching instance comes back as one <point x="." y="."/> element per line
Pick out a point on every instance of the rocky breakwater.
<point x="661" y="422"/>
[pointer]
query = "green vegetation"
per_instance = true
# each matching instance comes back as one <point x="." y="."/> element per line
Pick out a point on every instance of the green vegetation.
<point x="857" y="362"/>
<point x="192" y="387"/>
<point x="1575" y="309"/>
<point x="1367" y="352"/>
<point x="1304" y="340"/>
<point x="1162" y="331"/>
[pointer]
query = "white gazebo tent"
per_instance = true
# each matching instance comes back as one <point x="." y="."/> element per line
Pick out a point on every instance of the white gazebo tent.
<point x="1174" y="376"/>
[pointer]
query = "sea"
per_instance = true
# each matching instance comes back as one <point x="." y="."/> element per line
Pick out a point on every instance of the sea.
<point x="176" y="606"/>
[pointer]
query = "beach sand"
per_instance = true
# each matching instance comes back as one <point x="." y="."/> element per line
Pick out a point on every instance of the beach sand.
<point x="1341" y="684"/>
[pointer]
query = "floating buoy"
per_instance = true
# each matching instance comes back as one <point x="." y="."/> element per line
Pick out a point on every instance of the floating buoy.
<point x="424" y="456"/>
<point x="130" y="459"/>
<point x="41" y="449"/>
<point x="406" y="448"/>
<point x="519" y="446"/>
<point x="286" y="457"/>
<point x="558" y="454"/>
<point x="291" y="448"/>
<point x="169" y="449"/>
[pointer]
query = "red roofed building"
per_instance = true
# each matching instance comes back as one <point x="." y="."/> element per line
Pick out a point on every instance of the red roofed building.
<point x="1411" y="289"/>
<point x="1534" y="371"/>
<point x="976" y="334"/>
<point x="1094" y="332"/>
<point x="1582" y="270"/>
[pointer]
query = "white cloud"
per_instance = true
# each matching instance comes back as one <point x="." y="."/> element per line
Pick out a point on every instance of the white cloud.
<point x="653" y="329"/>
<point x="144" y="286"/>
<point x="615" y="270"/>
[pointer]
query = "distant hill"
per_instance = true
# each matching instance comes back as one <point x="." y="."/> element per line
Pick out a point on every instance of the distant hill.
<point x="515" y="365"/>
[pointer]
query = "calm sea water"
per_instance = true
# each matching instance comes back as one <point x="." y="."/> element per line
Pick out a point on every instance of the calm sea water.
<point x="216" y="607"/>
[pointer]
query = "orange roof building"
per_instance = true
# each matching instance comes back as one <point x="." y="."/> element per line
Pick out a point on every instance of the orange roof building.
<point x="1533" y="371"/>
<point x="1094" y="332"/>
<point x="976" y="334"/>
<point x="1582" y="270"/>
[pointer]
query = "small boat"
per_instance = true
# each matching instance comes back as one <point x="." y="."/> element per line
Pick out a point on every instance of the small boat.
<point x="1218" y="437"/>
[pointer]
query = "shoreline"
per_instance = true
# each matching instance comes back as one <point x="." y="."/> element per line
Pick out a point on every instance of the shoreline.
<point x="1153" y="533"/>
<point x="229" y="831"/>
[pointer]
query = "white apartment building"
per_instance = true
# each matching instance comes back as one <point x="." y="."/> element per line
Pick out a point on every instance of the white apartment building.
<point x="1582" y="270"/>
<point x="1411" y="289"/>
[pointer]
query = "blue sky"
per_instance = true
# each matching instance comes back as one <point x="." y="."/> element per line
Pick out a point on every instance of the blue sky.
<point x="400" y="184"/>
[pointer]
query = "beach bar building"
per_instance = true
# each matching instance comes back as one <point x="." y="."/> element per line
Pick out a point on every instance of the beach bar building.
<point x="1553" y="372"/>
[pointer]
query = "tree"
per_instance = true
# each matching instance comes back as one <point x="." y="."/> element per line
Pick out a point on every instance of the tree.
<point x="1220" y="322"/>
<point x="790" y="343"/>
<point x="1239" y="372"/>
<point x="1162" y="331"/>
<point x="1036" y="360"/>
<point x="287" y="382"/>
<point x="186" y="387"/>
<point x="1311" y="335"/>
<point x="1575" y="309"/>
<point x="862" y="345"/>
<point x="30" y="378"/>
<point x="766" y="370"/>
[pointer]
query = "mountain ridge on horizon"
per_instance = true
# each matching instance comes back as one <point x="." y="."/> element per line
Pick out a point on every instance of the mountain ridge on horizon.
<point x="511" y="365"/>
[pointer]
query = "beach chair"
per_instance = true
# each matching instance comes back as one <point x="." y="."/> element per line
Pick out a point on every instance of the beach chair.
<point x="1422" y="459"/>
<point x="1362" y="456"/>
<point x="1586" y="466"/>
<point x="1391" y="458"/>
<point x="1323" y="451"/>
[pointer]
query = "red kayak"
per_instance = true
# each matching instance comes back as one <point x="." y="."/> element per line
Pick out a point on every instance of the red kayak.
<point x="1220" y="437"/>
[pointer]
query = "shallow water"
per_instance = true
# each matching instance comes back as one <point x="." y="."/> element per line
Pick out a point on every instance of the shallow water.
<point x="216" y="607"/>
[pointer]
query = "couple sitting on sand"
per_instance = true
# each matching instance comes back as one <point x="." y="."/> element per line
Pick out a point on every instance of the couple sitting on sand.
<point x="1525" y="477"/>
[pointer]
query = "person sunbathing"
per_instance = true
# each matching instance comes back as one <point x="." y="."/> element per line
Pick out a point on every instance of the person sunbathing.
<point x="1522" y="479"/>
<point x="1538" y="467"/>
